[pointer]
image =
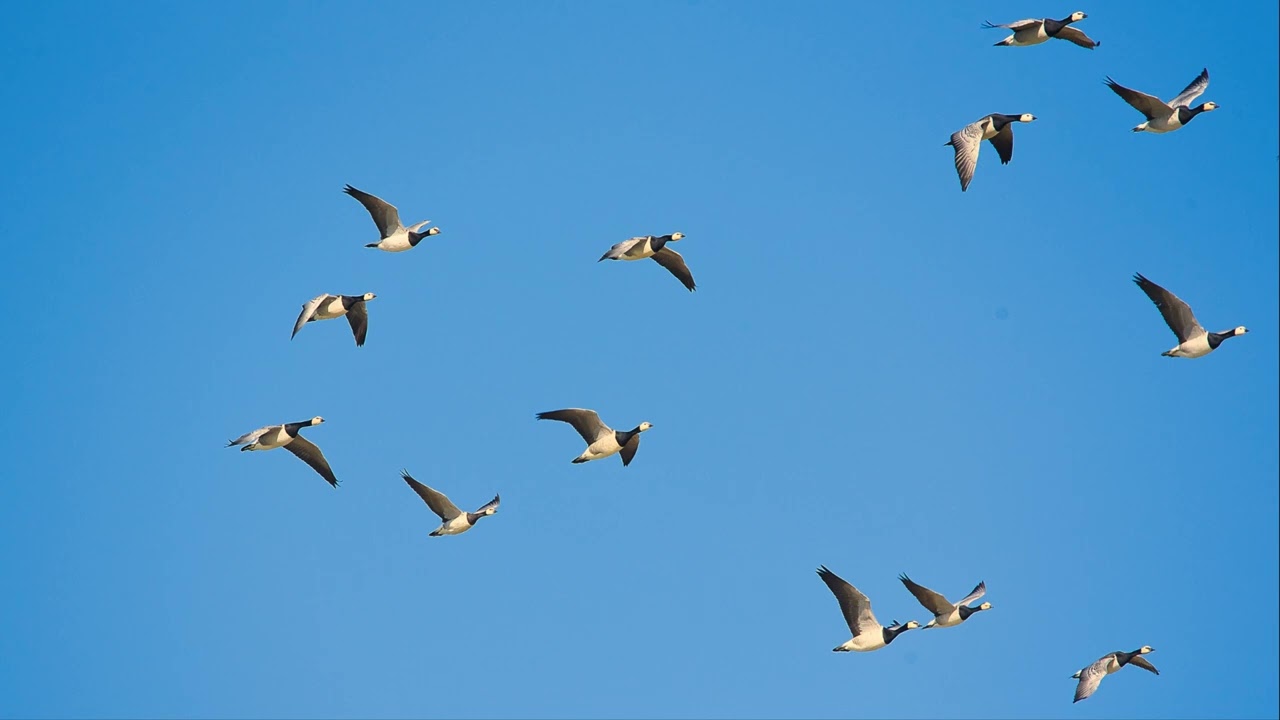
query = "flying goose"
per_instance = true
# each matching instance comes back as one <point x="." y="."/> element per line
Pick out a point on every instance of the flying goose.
<point x="967" y="141"/>
<point x="395" y="237"/>
<point x="455" y="521"/>
<point x="288" y="437"/>
<point x="1165" y="117"/>
<point x="1091" y="677"/>
<point x="654" y="246"/>
<point x="946" y="614"/>
<point x="1034" y="32"/>
<point x="1193" y="341"/>
<point x="602" y="440"/>
<point x="328" y="307"/>
<point x="868" y="634"/>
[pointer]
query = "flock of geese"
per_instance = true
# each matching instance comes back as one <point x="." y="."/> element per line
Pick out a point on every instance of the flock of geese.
<point x="603" y="441"/>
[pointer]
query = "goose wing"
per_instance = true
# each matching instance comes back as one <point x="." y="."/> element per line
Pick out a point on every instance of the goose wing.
<point x="967" y="142"/>
<point x="1150" y="106"/>
<point x="1003" y="143"/>
<point x="674" y="263"/>
<point x="1091" y="677"/>
<point x="932" y="601"/>
<point x="384" y="214"/>
<point x="1143" y="663"/>
<point x="1192" y="91"/>
<point x="620" y="249"/>
<point x="855" y="606"/>
<point x="1071" y="34"/>
<point x="308" y="453"/>
<point x="251" y="436"/>
<point x="308" y="309"/>
<point x="494" y="503"/>
<point x="438" y="503"/>
<point x="1015" y="26"/>
<point x="1177" y="314"/>
<point x="629" y="450"/>
<point x="586" y="422"/>
<point x="978" y="592"/>
<point x="358" y="317"/>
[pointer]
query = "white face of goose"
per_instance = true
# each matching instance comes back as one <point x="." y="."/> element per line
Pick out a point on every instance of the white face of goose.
<point x="1077" y="16"/>
<point x="369" y="296"/>
<point x="1241" y="330"/>
<point x="317" y="420"/>
<point x="677" y="236"/>
<point x="912" y="625"/>
<point x="645" y="426"/>
<point x="1210" y="106"/>
<point x="1145" y="649"/>
<point x="434" y="231"/>
<point x="1026" y="117"/>
<point x="985" y="606"/>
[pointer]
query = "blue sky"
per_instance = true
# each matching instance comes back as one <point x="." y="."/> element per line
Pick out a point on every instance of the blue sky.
<point x="877" y="373"/>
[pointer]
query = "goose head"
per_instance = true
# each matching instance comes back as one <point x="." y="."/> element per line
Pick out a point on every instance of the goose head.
<point x="1209" y="107"/>
<point x="1240" y="330"/>
<point x="643" y="426"/>
<point x="1077" y="16"/>
<point x="368" y="296"/>
<point x="1026" y="117"/>
<point x="677" y="236"/>
<point x="1146" y="649"/>
<point x="315" y="420"/>
<point x="983" y="606"/>
<point x="433" y="231"/>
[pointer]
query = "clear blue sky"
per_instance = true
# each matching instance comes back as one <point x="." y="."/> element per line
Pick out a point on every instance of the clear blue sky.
<point x="877" y="373"/>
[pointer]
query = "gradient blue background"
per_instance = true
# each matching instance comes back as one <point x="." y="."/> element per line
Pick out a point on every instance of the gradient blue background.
<point x="878" y="373"/>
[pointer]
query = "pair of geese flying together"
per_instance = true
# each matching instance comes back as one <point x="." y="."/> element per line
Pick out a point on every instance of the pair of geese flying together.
<point x="869" y="634"/>
<point x="602" y="442"/>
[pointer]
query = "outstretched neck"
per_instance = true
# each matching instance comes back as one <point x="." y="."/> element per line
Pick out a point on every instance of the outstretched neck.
<point x="892" y="632"/>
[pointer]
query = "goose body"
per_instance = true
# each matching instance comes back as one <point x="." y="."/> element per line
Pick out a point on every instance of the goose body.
<point x="1193" y="340"/>
<point x="328" y="307"/>
<point x="967" y="141"/>
<point x="453" y="520"/>
<point x="288" y="436"/>
<point x="868" y="633"/>
<point x="1165" y="117"/>
<point x="395" y="237"/>
<point x="945" y="613"/>
<point x="1091" y="676"/>
<point x="1034" y="32"/>
<point x="654" y="246"/>
<point x="602" y="440"/>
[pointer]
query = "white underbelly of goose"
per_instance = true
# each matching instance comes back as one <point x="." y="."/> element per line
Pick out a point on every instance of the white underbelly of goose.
<point x="398" y="242"/>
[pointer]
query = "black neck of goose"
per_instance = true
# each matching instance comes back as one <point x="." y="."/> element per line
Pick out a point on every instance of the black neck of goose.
<point x="998" y="120"/>
<point x="1186" y="114"/>
<point x="293" y="428"/>
<point x="1123" y="658"/>
<point x="966" y="611"/>
<point x="892" y="632"/>
<point x="658" y="242"/>
<point x="625" y="437"/>
<point x="472" y="518"/>
<point x="1066" y="20"/>
<point x="349" y="300"/>
<point x="1215" y="338"/>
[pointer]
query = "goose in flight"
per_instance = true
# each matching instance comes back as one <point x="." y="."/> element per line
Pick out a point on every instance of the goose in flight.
<point x="946" y="614"/>
<point x="868" y="634"/>
<point x="1034" y="32"/>
<point x="602" y="440"/>
<point x="1193" y="340"/>
<point x="651" y="246"/>
<point x="967" y="141"/>
<point x="328" y="307"/>
<point x="1090" y="677"/>
<point x="454" y="520"/>
<point x="1165" y="117"/>
<point x="288" y="436"/>
<point x="395" y="237"/>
